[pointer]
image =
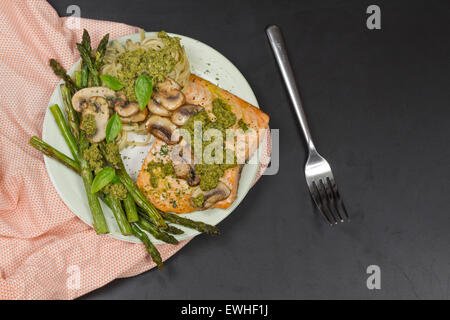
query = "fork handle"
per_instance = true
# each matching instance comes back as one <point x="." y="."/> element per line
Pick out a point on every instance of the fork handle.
<point x="279" y="50"/>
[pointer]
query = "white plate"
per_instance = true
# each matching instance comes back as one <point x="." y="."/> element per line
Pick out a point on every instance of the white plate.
<point x="206" y="63"/>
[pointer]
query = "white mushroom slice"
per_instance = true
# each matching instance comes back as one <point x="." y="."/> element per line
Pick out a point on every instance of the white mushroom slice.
<point x="126" y="109"/>
<point x="168" y="84"/>
<point x="171" y="99"/>
<point x="156" y="108"/>
<point x="183" y="164"/>
<point x="211" y="197"/>
<point x="183" y="113"/>
<point x="120" y="99"/>
<point x="163" y="129"/>
<point x="80" y="98"/>
<point x="98" y="106"/>
<point x="187" y="172"/>
<point x="138" y="117"/>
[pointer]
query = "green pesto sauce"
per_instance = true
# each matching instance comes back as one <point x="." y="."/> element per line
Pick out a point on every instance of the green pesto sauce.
<point x="211" y="173"/>
<point x="164" y="150"/>
<point x="116" y="190"/>
<point x="88" y="124"/>
<point x="199" y="200"/>
<point x="225" y="118"/>
<point x="94" y="157"/>
<point x="242" y="125"/>
<point x="159" y="170"/>
<point x="156" y="63"/>
<point x="112" y="154"/>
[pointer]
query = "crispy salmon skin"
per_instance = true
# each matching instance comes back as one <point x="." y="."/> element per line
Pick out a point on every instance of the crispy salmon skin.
<point x="173" y="194"/>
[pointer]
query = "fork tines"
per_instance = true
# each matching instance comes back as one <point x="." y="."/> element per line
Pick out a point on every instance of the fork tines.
<point x="328" y="200"/>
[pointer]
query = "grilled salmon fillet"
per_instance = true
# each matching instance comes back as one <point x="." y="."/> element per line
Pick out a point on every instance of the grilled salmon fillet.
<point x="173" y="194"/>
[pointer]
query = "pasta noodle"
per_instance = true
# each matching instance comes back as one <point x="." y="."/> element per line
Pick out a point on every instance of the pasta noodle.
<point x="111" y="66"/>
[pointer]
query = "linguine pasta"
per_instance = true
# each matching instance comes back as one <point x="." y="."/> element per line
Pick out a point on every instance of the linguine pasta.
<point x="180" y="73"/>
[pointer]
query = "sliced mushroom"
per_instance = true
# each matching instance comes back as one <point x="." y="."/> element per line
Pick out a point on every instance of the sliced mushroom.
<point x="168" y="84"/>
<point x="187" y="172"/>
<point x="183" y="164"/>
<point x="98" y="106"/>
<point x="171" y="99"/>
<point x="120" y="99"/>
<point x="138" y="117"/>
<point x="126" y="109"/>
<point x="213" y="196"/>
<point x="183" y="113"/>
<point x="155" y="107"/>
<point x="163" y="129"/>
<point x="80" y="98"/>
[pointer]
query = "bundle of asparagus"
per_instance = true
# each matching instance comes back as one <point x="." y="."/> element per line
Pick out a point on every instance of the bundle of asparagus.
<point x="133" y="213"/>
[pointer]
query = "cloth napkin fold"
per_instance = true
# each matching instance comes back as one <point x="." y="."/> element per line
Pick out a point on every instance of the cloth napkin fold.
<point x="46" y="252"/>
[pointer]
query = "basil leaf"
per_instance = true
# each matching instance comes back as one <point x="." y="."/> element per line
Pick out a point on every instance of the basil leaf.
<point x="143" y="87"/>
<point x="111" y="82"/>
<point x="113" y="127"/>
<point x="105" y="176"/>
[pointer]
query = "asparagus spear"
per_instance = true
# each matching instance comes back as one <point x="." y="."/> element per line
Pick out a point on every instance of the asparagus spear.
<point x="129" y="204"/>
<point x="173" y="230"/>
<point x="86" y="57"/>
<point x="51" y="152"/>
<point x="170" y="229"/>
<point x="121" y="219"/>
<point x="130" y="208"/>
<point x="158" y="234"/>
<point x="137" y="195"/>
<point x="86" y="40"/>
<point x="84" y="76"/>
<point x="100" y="52"/>
<point x="173" y="218"/>
<point x="72" y="116"/>
<point x="78" y="79"/>
<point x="185" y="222"/>
<point x="140" y="199"/>
<point x="154" y="253"/>
<point x="116" y="207"/>
<point x="134" y="191"/>
<point x="61" y="72"/>
<point x="71" y="164"/>
<point x="100" y="225"/>
<point x="197" y="225"/>
<point x="112" y="203"/>
<point x="68" y="136"/>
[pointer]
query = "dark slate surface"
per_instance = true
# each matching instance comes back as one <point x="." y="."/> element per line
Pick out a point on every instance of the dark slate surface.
<point x="378" y="104"/>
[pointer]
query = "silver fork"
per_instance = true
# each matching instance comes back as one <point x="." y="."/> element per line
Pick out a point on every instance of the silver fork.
<point x="319" y="176"/>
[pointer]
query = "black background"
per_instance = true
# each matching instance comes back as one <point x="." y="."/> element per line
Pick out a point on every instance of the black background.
<point x="378" y="106"/>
